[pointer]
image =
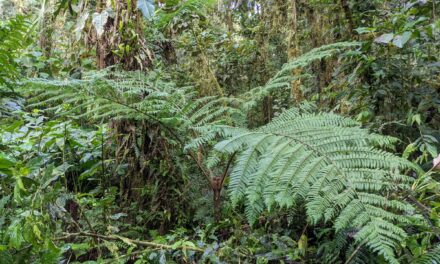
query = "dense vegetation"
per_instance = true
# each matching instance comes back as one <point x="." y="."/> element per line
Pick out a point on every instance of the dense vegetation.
<point x="220" y="131"/>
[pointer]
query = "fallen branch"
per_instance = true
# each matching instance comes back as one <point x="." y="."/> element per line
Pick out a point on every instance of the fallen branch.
<point x="130" y="241"/>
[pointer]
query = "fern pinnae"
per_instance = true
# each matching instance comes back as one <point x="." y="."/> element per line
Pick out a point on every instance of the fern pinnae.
<point x="337" y="177"/>
<point x="430" y="257"/>
<point x="288" y="177"/>
<point x="259" y="178"/>
<point x="212" y="116"/>
<point x="271" y="192"/>
<point x="305" y="178"/>
<point x="248" y="164"/>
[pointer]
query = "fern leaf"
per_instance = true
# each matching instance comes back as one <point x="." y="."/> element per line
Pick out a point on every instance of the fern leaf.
<point x="327" y="163"/>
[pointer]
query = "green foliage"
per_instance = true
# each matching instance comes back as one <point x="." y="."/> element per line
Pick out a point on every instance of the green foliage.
<point x="430" y="257"/>
<point x="13" y="38"/>
<point x="180" y="12"/>
<point x="107" y="166"/>
<point x="146" y="7"/>
<point x="391" y="85"/>
<point x="130" y="99"/>
<point x="40" y="165"/>
<point x="283" y="78"/>
<point x="332" y="166"/>
<point x="132" y="95"/>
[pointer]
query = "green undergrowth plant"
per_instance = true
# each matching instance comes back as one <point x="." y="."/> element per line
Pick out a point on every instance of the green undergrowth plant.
<point x="134" y="95"/>
<point x="219" y="131"/>
<point x="424" y="245"/>
<point x="179" y="12"/>
<point x="13" y="38"/>
<point x="42" y="163"/>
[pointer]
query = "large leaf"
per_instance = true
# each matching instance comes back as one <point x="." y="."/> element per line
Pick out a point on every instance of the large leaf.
<point x="5" y="163"/>
<point x="329" y="165"/>
<point x="401" y="40"/>
<point x="81" y="22"/>
<point x="146" y="7"/>
<point x="384" y="39"/>
<point x="100" y="19"/>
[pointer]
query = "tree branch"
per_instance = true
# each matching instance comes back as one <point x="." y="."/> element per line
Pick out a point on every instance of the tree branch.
<point x="129" y="241"/>
<point x="231" y="158"/>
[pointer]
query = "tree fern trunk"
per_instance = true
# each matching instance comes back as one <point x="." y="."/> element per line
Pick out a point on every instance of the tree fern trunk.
<point x="217" y="205"/>
<point x="216" y="185"/>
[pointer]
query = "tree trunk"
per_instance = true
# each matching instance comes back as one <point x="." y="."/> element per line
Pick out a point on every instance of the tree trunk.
<point x="216" y="185"/>
<point x="293" y="50"/>
<point x="217" y="205"/>
<point x="348" y="15"/>
<point x="45" y="40"/>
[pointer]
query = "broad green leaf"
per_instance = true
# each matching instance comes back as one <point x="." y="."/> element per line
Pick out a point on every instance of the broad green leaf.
<point x="363" y="30"/>
<point x="37" y="232"/>
<point x="117" y="216"/>
<point x="432" y="150"/>
<point x="5" y="163"/>
<point x="81" y="22"/>
<point x="409" y="150"/>
<point x="385" y="38"/>
<point x="146" y="7"/>
<point x="401" y="40"/>
<point x="416" y="119"/>
<point x="15" y="235"/>
<point x="100" y="19"/>
<point x="302" y="244"/>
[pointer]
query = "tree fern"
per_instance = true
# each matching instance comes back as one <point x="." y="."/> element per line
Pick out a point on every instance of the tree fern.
<point x="282" y="80"/>
<point x="332" y="166"/>
<point x="284" y="77"/>
<point x="108" y="95"/>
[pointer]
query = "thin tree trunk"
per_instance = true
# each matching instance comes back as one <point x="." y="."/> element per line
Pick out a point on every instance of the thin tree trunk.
<point x="100" y="46"/>
<point x="229" y="16"/>
<point x="216" y="185"/>
<point x="348" y="15"/>
<point x="46" y="33"/>
<point x="217" y="205"/>
<point x="293" y="50"/>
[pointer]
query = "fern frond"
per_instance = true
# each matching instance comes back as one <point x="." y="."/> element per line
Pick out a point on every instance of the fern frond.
<point x="284" y="78"/>
<point x="431" y="257"/>
<point x="13" y="36"/>
<point x="106" y="94"/>
<point x="328" y="163"/>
